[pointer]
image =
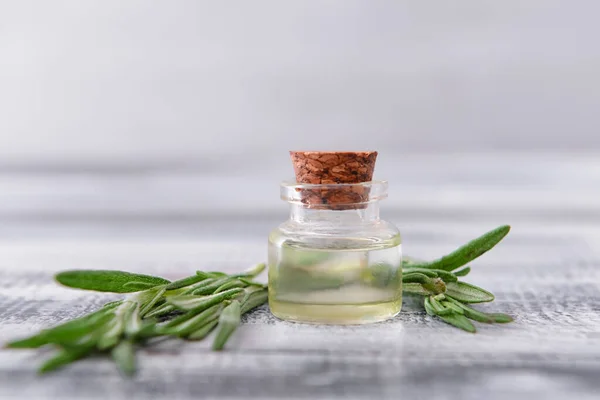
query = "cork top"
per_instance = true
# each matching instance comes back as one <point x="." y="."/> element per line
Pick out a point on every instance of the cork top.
<point x="334" y="167"/>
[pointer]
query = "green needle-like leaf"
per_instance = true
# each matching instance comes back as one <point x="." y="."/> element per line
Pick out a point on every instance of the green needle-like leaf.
<point x="438" y="308"/>
<point x="451" y="306"/>
<point x="463" y="272"/>
<point x="432" y="273"/>
<point x="106" y="281"/>
<point x="112" y="334"/>
<point x="133" y="322"/>
<point x="147" y="330"/>
<point x="215" y="274"/>
<point x="160" y="310"/>
<point x="415" y="288"/>
<point x="431" y="285"/>
<point x="228" y="323"/>
<point x="459" y="321"/>
<point x="180" y="319"/>
<point x="64" y="357"/>
<point x="415" y="277"/>
<point x="201" y="333"/>
<point x="198" y="303"/>
<point x="445" y="275"/>
<point x="201" y="284"/>
<point x="254" y="300"/>
<point x="468" y="252"/>
<point x="252" y="283"/>
<point x="66" y="333"/>
<point x="187" y="327"/>
<point x="138" y="286"/>
<point x="428" y="307"/>
<point x="252" y="272"/>
<point x="124" y="356"/>
<point x="471" y="312"/>
<point x="209" y="288"/>
<point x="468" y="293"/>
<point x="409" y="270"/>
<point x="31" y="342"/>
<point x="234" y="283"/>
<point x="500" y="318"/>
<point x="190" y="280"/>
<point x="147" y="306"/>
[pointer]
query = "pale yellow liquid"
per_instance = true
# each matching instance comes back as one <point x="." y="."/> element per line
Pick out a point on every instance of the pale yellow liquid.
<point x="340" y="314"/>
<point x="335" y="286"/>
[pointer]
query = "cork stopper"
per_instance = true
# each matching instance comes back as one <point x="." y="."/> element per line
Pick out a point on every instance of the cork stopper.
<point x="331" y="168"/>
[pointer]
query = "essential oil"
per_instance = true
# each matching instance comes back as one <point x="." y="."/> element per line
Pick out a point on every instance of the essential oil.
<point x="354" y="282"/>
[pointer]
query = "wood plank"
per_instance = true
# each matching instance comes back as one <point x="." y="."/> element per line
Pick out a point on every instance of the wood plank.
<point x="552" y="349"/>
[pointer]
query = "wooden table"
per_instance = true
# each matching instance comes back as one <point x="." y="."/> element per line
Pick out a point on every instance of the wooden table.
<point x="546" y="274"/>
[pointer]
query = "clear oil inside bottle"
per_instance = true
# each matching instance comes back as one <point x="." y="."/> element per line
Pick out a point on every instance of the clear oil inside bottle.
<point x="335" y="280"/>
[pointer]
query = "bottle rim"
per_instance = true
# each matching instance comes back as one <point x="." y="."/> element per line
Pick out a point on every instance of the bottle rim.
<point x="350" y="195"/>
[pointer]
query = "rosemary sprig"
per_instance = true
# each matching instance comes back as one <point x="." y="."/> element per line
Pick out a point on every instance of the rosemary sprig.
<point x="191" y="307"/>
<point x="444" y="294"/>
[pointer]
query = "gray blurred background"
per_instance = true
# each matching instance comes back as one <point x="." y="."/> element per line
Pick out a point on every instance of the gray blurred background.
<point x="186" y="109"/>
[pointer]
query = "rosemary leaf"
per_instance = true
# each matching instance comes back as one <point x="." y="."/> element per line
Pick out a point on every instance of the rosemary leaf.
<point x="415" y="277"/>
<point x="253" y="283"/>
<point x="190" y="280"/>
<point x="208" y="288"/>
<point x="459" y="321"/>
<point x="254" y="299"/>
<point x="451" y="306"/>
<point x="500" y="318"/>
<point x="68" y="332"/>
<point x="170" y="326"/>
<point x="106" y="280"/>
<point x="234" y="283"/>
<point x="148" y="306"/>
<point x="64" y="357"/>
<point x="428" y="307"/>
<point x="124" y="356"/>
<point x="197" y="303"/>
<point x="138" y="286"/>
<point x="228" y="323"/>
<point x="471" y="312"/>
<point x="160" y="310"/>
<point x="415" y="288"/>
<point x="468" y="252"/>
<point x="133" y="322"/>
<point x="201" y="333"/>
<point x="214" y="274"/>
<point x="409" y="270"/>
<point x="112" y="334"/>
<point x="468" y="293"/>
<point x="252" y="272"/>
<point x="196" y="322"/>
<point x="438" y="308"/>
<point x="463" y="272"/>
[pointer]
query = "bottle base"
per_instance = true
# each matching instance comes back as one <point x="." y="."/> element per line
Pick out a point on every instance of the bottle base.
<point x="335" y="314"/>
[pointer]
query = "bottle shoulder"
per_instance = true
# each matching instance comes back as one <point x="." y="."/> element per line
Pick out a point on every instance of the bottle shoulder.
<point x="379" y="233"/>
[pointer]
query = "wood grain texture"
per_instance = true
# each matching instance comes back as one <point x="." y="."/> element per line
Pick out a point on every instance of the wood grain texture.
<point x="546" y="273"/>
<point x="553" y="348"/>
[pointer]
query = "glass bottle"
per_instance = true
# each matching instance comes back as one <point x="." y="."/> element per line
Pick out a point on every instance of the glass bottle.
<point x="335" y="263"/>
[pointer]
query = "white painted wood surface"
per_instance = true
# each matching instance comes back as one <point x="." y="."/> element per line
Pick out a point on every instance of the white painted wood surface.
<point x="546" y="274"/>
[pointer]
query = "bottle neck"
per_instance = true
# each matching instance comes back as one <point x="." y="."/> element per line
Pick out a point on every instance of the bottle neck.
<point x="302" y="214"/>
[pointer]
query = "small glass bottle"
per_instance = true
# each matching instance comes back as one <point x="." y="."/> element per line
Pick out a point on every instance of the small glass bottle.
<point x="335" y="263"/>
